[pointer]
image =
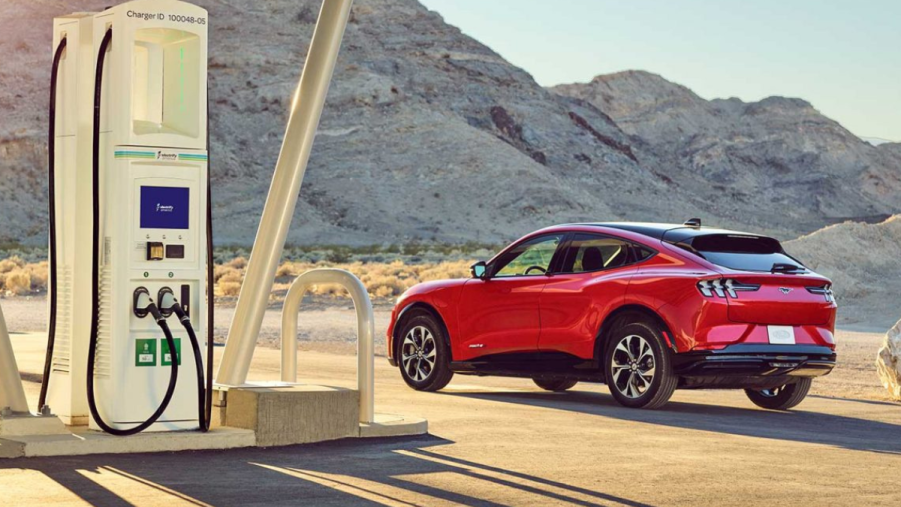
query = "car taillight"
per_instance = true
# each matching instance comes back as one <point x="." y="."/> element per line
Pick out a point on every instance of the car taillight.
<point x="721" y="288"/>
<point x="825" y="291"/>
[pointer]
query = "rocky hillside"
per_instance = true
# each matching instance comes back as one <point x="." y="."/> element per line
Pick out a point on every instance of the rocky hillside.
<point x="429" y="135"/>
<point x="863" y="262"/>
<point x="777" y="157"/>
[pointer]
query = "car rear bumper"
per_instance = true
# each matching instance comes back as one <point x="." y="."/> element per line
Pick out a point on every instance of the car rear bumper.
<point x="752" y="365"/>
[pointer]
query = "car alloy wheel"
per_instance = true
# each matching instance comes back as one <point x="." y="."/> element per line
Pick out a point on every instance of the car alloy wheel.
<point x="638" y="366"/>
<point x="418" y="353"/>
<point x="633" y="366"/>
<point x="770" y="393"/>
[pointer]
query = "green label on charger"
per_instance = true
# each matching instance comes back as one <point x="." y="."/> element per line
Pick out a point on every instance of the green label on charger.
<point x="164" y="352"/>
<point x="145" y="352"/>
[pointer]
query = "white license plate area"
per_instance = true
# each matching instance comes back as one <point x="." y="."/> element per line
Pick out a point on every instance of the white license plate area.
<point x="781" y="335"/>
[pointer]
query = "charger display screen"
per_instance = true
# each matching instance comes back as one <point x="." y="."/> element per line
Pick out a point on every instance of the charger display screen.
<point x="165" y="207"/>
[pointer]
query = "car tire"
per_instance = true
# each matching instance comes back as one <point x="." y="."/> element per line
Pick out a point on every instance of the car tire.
<point x="556" y="385"/>
<point x="423" y="355"/>
<point x="638" y="366"/>
<point x="781" y="398"/>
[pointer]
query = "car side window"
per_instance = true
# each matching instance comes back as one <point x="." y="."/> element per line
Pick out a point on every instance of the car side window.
<point x="529" y="258"/>
<point x="642" y="253"/>
<point x="589" y="252"/>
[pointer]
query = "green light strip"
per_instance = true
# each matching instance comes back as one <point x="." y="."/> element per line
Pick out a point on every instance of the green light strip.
<point x="181" y="79"/>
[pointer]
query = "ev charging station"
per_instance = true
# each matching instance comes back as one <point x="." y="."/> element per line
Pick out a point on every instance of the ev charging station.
<point x="131" y="251"/>
<point x="131" y="183"/>
<point x="153" y="197"/>
<point x="70" y="216"/>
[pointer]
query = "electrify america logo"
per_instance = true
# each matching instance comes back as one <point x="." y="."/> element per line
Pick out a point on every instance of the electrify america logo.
<point x="160" y="155"/>
<point x="163" y="208"/>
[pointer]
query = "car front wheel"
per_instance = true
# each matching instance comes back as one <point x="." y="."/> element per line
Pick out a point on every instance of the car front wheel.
<point x="638" y="367"/>
<point x="556" y="385"/>
<point x="423" y="355"/>
<point x="783" y="397"/>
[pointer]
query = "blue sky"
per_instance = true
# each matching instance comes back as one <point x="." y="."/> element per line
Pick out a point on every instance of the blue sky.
<point x="840" y="55"/>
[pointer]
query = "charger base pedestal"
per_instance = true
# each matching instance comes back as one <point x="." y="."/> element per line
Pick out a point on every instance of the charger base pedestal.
<point x="287" y="414"/>
<point x="15" y="425"/>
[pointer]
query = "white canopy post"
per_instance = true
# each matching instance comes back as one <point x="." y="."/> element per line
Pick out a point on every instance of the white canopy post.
<point x="306" y="110"/>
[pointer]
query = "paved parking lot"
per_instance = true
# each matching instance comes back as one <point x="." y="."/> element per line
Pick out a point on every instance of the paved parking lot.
<point x="504" y="442"/>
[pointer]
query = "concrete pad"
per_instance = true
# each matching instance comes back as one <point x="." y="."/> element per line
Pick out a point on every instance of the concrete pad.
<point x="293" y="414"/>
<point x="11" y="449"/>
<point x="323" y="413"/>
<point x="28" y="424"/>
<point x="387" y="425"/>
<point x="84" y="441"/>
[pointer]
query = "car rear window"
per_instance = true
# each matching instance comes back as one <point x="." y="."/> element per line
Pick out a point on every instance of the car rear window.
<point x="741" y="252"/>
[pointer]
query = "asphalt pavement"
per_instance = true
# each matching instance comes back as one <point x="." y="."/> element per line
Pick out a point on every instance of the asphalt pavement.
<point x="496" y="441"/>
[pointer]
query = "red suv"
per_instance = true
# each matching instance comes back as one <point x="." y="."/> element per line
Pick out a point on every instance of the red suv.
<point x="645" y="307"/>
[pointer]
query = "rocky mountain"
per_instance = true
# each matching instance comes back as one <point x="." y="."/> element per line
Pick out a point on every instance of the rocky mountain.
<point x="863" y="262"/>
<point x="429" y="135"/>
<point x="777" y="157"/>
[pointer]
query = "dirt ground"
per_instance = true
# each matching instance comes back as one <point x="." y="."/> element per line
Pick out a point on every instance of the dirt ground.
<point x="329" y="325"/>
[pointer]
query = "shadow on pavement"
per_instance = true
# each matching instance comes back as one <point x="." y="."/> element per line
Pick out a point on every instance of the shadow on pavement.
<point x="855" y="400"/>
<point x="348" y="472"/>
<point x="794" y="425"/>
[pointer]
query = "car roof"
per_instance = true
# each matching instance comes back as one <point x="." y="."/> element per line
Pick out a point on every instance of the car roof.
<point x="674" y="233"/>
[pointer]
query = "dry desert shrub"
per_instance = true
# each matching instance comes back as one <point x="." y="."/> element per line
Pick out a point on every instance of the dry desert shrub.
<point x="18" y="278"/>
<point x="383" y="280"/>
<point x="18" y="282"/>
<point x="219" y="271"/>
<point x="228" y="280"/>
<point x="228" y="288"/>
<point x="237" y="263"/>
<point x="39" y="275"/>
<point x="11" y="263"/>
<point x="285" y="270"/>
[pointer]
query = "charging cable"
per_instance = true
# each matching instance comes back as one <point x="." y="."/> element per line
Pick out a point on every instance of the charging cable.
<point x="51" y="217"/>
<point x="143" y="306"/>
<point x="169" y="305"/>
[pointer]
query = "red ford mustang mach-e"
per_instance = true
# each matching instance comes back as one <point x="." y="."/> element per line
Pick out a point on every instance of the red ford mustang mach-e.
<point x="646" y="308"/>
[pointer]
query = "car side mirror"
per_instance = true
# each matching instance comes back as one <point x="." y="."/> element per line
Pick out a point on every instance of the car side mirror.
<point x="479" y="270"/>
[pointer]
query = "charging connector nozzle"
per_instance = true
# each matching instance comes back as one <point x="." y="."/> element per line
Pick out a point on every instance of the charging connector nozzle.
<point x="144" y="305"/>
<point x="169" y="305"/>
